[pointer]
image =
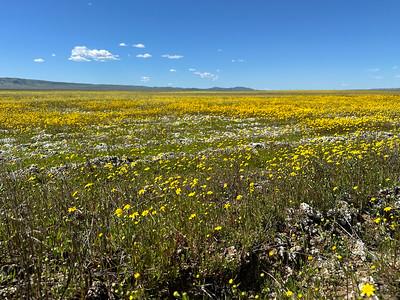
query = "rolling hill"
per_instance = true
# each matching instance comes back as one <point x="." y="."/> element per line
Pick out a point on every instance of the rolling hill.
<point x="31" y="84"/>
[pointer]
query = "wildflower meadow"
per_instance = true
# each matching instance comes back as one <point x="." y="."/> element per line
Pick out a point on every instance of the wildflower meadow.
<point x="199" y="195"/>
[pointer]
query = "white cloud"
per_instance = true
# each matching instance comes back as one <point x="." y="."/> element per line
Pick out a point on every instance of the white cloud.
<point x="140" y="45"/>
<point x="53" y="55"/>
<point x="39" y="60"/>
<point x="122" y="44"/>
<point x="192" y="70"/>
<point x="82" y="53"/>
<point x="145" y="55"/>
<point x="373" y="70"/>
<point x="172" y="70"/>
<point x="239" y="60"/>
<point x="172" y="56"/>
<point x="206" y="75"/>
<point x="145" y="79"/>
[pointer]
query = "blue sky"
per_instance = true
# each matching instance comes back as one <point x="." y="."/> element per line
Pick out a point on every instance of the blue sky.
<point x="265" y="44"/>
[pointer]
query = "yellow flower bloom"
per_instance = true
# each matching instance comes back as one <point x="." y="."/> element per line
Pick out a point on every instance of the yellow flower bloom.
<point x="89" y="185"/>
<point x="288" y="293"/>
<point x="133" y="215"/>
<point x="119" y="212"/>
<point x="227" y="205"/>
<point x="72" y="209"/>
<point x="368" y="290"/>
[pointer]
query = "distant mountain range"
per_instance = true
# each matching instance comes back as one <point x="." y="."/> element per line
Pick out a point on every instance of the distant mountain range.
<point x="31" y="84"/>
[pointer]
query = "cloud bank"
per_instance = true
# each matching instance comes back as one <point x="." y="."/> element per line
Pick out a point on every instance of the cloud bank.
<point x="145" y="55"/>
<point x="84" y="54"/>
<point x="172" y="56"/>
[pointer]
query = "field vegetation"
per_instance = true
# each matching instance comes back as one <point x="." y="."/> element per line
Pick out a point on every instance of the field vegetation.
<point x="127" y="195"/>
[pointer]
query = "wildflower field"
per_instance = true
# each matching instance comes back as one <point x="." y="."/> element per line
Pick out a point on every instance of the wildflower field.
<point x="199" y="195"/>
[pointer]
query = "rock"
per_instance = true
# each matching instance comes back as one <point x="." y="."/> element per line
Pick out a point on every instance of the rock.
<point x="230" y="253"/>
<point x="359" y="250"/>
<point x="311" y="213"/>
<point x="257" y="145"/>
<point x="98" y="291"/>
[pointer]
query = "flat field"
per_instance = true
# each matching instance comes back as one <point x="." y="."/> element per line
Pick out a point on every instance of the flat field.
<point x="256" y="195"/>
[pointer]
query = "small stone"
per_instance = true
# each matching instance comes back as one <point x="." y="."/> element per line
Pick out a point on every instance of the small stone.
<point x="98" y="291"/>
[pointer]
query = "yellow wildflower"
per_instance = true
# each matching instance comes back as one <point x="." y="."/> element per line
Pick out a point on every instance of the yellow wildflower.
<point x="89" y="185"/>
<point x="288" y="293"/>
<point x="72" y="209"/>
<point x="134" y="215"/>
<point x="387" y="209"/>
<point x="367" y="289"/>
<point x="119" y="212"/>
